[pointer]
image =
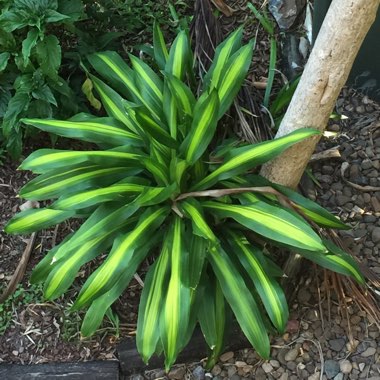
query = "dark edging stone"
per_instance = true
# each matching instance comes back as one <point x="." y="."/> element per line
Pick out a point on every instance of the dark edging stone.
<point x="94" y="370"/>
<point x="129" y="361"/>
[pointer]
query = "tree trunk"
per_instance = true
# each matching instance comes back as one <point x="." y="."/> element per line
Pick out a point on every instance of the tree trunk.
<point x="340" y="37"/>
<point x="342" y="33"/>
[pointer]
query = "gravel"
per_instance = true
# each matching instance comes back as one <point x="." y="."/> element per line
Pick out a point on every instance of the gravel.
<point x="317" y="329"/>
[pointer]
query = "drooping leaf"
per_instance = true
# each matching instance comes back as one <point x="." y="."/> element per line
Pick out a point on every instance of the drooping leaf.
<point x="241" y="300"/>
<point x="36" y="219"/>
<point x="54" y="184"/>
<point x="97" y="130"/>
<point x="272" y="222"/>
<point x="238" y="160"/>
<point x="105" y="277"/>
<point x="271" y="294"/>
<point x="51" y="159"/>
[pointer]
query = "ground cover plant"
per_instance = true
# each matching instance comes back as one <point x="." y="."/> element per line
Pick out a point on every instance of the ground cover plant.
<point x="163" y="185"/>
<point x="30" y="60"/>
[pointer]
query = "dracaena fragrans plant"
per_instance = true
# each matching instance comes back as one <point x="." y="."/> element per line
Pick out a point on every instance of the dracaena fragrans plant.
<point x="162" y="185"/>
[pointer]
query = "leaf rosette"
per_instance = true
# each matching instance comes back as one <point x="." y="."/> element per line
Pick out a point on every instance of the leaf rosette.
<point x="152" y="189"/>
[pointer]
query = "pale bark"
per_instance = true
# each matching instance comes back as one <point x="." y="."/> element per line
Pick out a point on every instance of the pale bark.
<point x="342" y="33"/>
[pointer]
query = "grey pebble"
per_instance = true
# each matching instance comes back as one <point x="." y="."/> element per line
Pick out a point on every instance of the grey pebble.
<point x="332" y="368"/>
<point x="376" y="235"/>
<point x="199" y="373"/>
<point x="291" y="355"/>
<point x="337" y="344"/>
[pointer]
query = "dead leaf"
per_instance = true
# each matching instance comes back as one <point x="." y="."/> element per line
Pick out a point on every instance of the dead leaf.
<point x="223" y="7"/>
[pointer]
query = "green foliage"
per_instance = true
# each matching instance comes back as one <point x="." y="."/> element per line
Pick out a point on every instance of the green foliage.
<point x="152" y="188"/>
<point x="30" y="63"/>
<point x="20" y="298"/>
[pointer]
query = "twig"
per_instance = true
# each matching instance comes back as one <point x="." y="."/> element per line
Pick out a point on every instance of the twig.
<point x="326" y="154"/>
<point x="20" y="270"/>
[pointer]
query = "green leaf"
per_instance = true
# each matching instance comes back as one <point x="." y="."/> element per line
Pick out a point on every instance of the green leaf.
<point x="149" y="83"/>
<point x="268" y="288"/>
<point x="36" y="219"/>
<point x="335" y="260"/>
<point x="193" y="210"/>
<point x="202" y="128"/>
<point x="179" y="60"/>
<point x="105" y="277"/>
<point x="222" y="55"/>
<point x="155" y="284"/>
<point x="4" y="58"/>
<point x="112" y="67"/>
<point x="11" y="20"/>
<point x="54" y="16"/>
<point x="48" y="159"/>
<point x="16" y="106"/>
<point x="239" y="160"/>
<point x="95" y="314"/>
<point x="273" y="222"/>
<point x="176" y="308"/>
<point x="29" y="43"/>
<point x="114" y="104"/>
<point x="182" y="94"/>
<point x="44" y="93"/>
<point x="311" y="209"/>
<point x="212" y="319"/>
<point x="48" y="52"/>
<point x="241" y="300"/>
<point x="233" y="76"/>
<point x="54" y="184"/>
<point x="155" y="129"/>
<point x="159" y="47"/>
<point x="115" y="192"/>
<point x="271" y="70"/>
<point x="97" y="130"/>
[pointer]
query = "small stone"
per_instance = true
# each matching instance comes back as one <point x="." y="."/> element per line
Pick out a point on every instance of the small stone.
<point x="337" y="344"/>
<point x="216" y="370"/>
<point x="345" y="367"/>
<point x="355" y="319"/>
<point x="235" y="377"/>
<point x="342" y="200"/>
<point x="376" y="235"/>
<point x="274" y="363"/>
<point x="199" y="373"/>
<point x="291" y="355"/>
<point x="314" y="376"/>
<point x="226" y="356"/>
<point x="366" y="164"/>
<point x="304" y="295"/>
<point x="231" y="370"/>
<point x="267" y="368"/>
<point x="368" y="352"/>
<point x="339" y="376"/>
<point x="361" y="366"/>
<point x="331" y="368"/>
<point x="177" y="373"/>
<point x="240" y="364"/>
<point x="284" y="376"/>
<point x="15" y="353"/>
<point x="137" y="377"/>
